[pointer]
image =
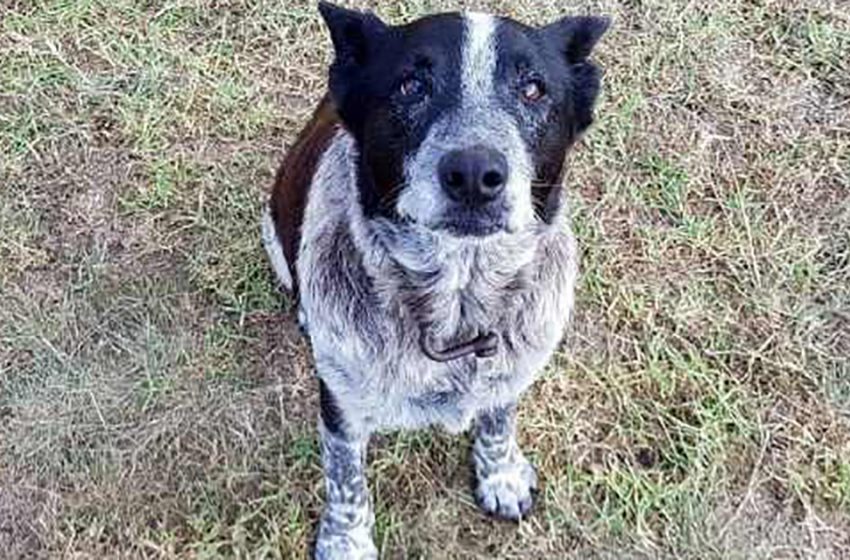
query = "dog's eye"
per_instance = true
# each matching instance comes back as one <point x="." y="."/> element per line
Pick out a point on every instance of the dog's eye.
<point x="412" y="87"/>
<point x="533" y="90"/>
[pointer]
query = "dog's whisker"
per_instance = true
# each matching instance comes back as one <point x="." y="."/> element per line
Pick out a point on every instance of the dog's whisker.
<point x="392" y="192"/>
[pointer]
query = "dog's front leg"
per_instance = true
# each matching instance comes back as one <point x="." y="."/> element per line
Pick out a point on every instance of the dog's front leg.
<point x="506" y="480"/>
<point x="345" y="530"/>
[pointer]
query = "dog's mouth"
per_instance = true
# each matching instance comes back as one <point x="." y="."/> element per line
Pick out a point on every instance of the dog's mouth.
<point x="474" y="221"/>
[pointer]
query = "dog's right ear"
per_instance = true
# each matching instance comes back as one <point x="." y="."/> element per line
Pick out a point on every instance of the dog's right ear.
<point x="355" y="35"/>
<point x="576" y="36"/>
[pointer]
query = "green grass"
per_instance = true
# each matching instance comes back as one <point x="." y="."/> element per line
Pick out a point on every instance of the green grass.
<point x="157" y="401"/>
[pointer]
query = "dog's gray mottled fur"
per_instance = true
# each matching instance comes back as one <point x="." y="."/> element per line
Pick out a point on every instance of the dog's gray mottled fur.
<point x="368" y="285"/>
<point x="346" y="527"/>
<point x="505" y="478"/>
<point x="372" y="284"/>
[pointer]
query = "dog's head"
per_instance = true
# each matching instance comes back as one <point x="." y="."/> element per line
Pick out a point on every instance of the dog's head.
<point x="462" y="121"/>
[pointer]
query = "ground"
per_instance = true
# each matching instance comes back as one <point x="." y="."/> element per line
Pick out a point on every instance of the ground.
<point x="157" y="401"/>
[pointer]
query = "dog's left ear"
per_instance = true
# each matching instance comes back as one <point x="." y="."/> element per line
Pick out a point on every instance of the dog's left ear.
<point x="355" y="35"/>
<point x="358" y="38"/>
<point x="575" y="36"/>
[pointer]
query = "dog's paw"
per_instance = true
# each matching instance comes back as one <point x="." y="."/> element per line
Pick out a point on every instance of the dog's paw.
<point x="354" y="544"/>
<point x="508" y="491"/>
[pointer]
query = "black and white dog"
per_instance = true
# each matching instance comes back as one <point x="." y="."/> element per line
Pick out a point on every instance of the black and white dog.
<point x="420" y="221"/>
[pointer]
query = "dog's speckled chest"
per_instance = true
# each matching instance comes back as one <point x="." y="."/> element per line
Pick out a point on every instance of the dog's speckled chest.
<point x="365" y="320"/>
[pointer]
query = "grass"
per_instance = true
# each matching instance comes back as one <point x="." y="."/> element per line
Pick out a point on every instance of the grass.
<point x="156" y="400"/>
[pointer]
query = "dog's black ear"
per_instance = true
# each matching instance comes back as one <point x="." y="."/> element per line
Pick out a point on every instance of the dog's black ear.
<point x="576" y="36"/>
<point x="354" y="34"/>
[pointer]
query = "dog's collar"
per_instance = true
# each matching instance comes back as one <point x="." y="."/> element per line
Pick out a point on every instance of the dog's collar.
<point x="485" y="345"/>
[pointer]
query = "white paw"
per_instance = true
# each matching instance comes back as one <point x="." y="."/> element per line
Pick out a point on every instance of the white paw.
<point x="355" y="544"/>
<point x="507" y="491"/>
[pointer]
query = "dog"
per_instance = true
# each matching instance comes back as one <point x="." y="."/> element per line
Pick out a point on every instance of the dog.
<point x="419" y="221"/>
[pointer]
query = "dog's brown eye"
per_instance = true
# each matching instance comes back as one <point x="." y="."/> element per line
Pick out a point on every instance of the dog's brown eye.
<point x="533" y="90"/>
<point x="412" y="87"/>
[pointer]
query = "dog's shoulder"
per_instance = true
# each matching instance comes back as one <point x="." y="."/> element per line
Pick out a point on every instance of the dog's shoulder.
<point x="293" y="181"/>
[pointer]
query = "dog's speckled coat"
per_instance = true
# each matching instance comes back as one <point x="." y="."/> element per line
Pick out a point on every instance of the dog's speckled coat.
<point x="371" y="280"/>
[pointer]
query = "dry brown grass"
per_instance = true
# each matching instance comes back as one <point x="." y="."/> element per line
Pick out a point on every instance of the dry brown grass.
<point x="155" y="402"/>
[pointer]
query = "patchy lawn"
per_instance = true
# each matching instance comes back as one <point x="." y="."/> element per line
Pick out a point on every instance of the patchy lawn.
<point x="157" y="401"/>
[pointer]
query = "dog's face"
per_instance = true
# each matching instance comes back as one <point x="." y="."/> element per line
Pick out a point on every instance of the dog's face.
<point x="462" y="121"/>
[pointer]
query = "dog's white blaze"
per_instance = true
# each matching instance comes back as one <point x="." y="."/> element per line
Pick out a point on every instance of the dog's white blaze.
<point x="479" y="58"/>
<point x="478" y="120"/>
<point x="478" y="78"/>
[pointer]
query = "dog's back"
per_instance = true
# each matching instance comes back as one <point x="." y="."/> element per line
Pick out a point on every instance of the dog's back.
<point x="285" y="212"/>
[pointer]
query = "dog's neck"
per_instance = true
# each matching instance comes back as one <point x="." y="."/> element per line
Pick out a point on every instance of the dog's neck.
<point x="453" y="288"/>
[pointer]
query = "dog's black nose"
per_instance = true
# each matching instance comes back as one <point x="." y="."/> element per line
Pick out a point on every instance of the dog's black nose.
<point x="475" y="175"/>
